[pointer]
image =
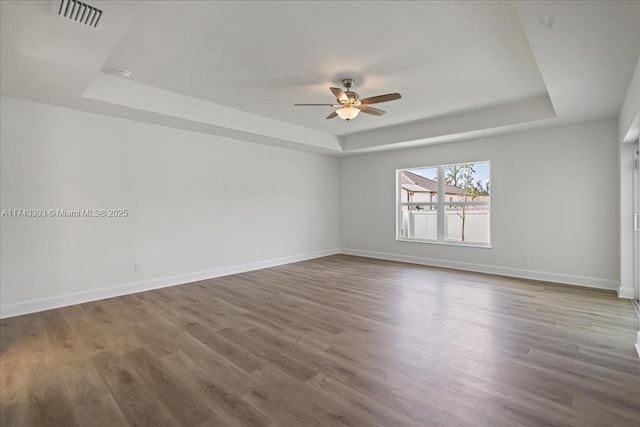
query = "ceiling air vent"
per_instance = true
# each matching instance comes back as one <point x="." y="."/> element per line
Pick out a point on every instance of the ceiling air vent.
<point x="80" y="12"/>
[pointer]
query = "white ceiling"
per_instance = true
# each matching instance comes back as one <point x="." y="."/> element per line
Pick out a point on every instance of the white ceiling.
<point x="236" y="68"/>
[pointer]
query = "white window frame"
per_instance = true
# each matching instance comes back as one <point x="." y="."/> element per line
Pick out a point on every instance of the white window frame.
<point x="440" y="206"/>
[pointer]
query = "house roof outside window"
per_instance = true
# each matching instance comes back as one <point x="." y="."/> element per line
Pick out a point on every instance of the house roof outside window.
<point x="419" y="184"/>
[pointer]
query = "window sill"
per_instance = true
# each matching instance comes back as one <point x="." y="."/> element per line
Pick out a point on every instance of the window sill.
<point x="445" y="243"/>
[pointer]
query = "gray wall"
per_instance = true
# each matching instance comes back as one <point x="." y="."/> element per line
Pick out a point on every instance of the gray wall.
<point x="554" y="196"/>
<point x="199" y="205"/>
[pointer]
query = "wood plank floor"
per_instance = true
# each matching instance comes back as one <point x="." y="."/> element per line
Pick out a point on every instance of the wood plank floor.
<point x="334" y="341"/>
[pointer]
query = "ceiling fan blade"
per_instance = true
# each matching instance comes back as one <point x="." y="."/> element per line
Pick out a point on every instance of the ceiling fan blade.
<point x="308" y="105"/>
<point x="339" y="93"/>
<point x="381" y="98"/>
<point x="332" y="115"/>
<point x="371" y="110"/>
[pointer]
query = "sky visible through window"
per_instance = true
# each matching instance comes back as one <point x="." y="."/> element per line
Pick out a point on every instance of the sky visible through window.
<point x="482" y="172"/>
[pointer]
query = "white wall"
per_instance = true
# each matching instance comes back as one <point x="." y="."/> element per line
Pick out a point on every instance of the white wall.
<point x="628" y="123"/>
<point x="628" y="117"/>
<point x="199" y="206"/>
<point x="202" y="206"/>
<point x="534" y="175"/>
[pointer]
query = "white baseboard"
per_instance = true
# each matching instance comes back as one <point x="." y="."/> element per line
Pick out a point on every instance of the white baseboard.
<point x="589" y="282"/>
<point x="49" y="303"/>
<point x="625" y="292"/>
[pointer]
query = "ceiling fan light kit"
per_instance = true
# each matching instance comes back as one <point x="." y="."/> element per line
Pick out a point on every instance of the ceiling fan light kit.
<point x="348" y="113"/>
<point x="350" y="103"/>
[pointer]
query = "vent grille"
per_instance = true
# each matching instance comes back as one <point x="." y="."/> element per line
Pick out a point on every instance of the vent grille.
<point x="80" y="12"/>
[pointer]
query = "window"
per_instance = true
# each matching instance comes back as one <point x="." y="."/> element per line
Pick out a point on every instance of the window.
<point x="445" y="204"/>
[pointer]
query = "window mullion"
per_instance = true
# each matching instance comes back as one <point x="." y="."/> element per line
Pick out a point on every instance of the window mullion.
<point x="440" y="209"/>
<point x="399" y="205"/>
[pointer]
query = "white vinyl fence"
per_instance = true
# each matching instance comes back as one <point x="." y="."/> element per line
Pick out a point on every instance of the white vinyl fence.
<point x="423" y="225"/>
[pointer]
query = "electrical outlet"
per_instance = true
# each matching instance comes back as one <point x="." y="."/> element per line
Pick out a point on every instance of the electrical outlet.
<point x="138" y="267"/>
<point x="525" y="257"/>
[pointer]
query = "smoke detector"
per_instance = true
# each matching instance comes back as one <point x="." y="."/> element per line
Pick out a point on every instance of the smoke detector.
<point x="80" y="12"/>
<point x="123" y="72"/>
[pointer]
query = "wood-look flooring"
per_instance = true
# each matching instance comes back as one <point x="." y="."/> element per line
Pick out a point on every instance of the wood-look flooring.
<point x="329" y="342"/>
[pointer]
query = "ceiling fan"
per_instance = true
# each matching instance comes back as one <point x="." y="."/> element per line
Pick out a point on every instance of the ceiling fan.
<point x="350" y="103"/>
